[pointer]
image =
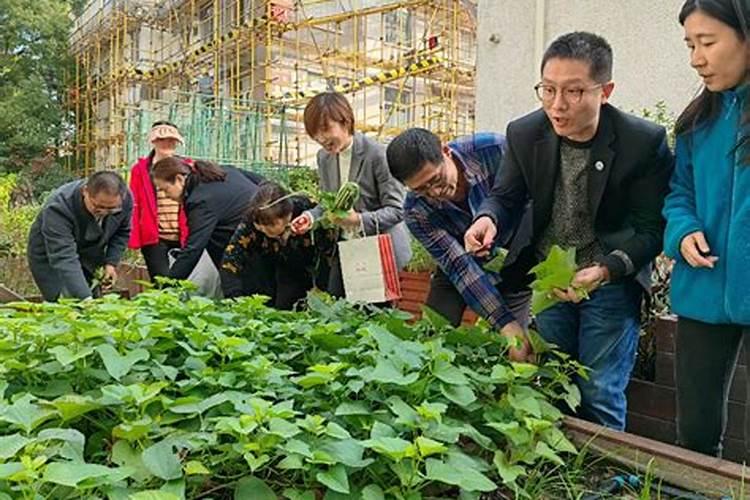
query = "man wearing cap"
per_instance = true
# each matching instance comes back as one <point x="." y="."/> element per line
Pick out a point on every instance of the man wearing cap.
<point x="159" y="224"/>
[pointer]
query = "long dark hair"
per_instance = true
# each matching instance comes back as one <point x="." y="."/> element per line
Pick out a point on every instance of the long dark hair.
<point x="706" y="106"/>
<point x="167" y="169"/>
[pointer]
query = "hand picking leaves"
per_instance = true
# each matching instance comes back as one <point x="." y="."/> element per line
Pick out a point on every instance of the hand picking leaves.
<point x="495" y="264"/>
<point x="556" y="271"/>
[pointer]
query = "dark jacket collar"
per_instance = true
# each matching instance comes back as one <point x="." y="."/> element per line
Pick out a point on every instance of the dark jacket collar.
<point x="77" y="204"/>
<point x="300" y="203"/>
<point x="191" y="182"/>
<point x="601" y="159"/>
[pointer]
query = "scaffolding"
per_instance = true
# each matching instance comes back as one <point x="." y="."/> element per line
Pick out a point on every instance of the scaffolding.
<point x="236" y="74"/>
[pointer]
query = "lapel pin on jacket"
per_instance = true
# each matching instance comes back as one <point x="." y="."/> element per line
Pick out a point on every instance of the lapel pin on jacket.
<point x="599" y="165"/>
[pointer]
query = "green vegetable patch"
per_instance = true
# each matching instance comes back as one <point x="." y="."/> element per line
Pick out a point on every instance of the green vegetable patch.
<point x="172" y="396"/>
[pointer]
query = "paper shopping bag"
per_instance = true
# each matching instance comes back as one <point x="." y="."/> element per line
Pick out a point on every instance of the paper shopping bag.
<point x="368" y="268"/>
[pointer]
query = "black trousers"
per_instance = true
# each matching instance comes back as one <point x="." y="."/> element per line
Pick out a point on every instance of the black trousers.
<point x="156" y="259"/>
<point x="291" y="286"/>
<point x="284" y="284"/>
<point x="333" y="283"/>
<point x="445" y="300"/>
<point x="706" y="358"/>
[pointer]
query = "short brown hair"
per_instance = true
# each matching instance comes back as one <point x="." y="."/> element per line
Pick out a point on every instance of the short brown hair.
<point x="325" y="108"/>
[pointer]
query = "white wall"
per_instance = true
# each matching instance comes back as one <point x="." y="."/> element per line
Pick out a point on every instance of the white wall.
<point x="650" y="57"/>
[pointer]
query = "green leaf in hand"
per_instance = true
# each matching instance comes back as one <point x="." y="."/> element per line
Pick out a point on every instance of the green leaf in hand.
<point x="496" y="263"/>
<point x="556" y="271"/>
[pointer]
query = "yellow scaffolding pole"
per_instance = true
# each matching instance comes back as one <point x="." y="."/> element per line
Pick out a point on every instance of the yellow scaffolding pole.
<point x="405" y="63"/>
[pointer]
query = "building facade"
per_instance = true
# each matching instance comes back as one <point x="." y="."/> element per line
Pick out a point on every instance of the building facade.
<point x="650" y="57"/>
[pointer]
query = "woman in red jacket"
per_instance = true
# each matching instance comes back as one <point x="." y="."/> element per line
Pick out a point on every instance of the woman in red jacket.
<point x="158" y="223"/>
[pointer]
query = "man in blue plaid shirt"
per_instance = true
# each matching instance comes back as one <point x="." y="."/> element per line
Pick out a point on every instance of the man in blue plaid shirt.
<point x="447" y="185"/>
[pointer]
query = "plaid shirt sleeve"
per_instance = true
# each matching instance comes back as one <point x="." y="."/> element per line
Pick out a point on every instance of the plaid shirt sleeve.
<point x="462" y="269"/>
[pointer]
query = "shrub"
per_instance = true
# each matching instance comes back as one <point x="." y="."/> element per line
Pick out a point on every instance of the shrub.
<point x="303" y="179"/>
<point x="15" y="221"/>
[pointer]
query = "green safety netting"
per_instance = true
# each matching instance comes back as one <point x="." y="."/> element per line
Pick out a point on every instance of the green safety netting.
<point x="248" y="134"/>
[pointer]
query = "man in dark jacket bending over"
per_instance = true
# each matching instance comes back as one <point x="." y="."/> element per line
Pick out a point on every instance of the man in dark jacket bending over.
<point x="84" y="225"/>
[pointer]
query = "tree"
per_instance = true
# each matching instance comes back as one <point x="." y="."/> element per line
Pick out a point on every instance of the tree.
<point x="34" y="61"/>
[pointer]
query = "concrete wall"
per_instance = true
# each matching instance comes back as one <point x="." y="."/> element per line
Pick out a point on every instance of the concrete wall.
<point x="650" y="57"/>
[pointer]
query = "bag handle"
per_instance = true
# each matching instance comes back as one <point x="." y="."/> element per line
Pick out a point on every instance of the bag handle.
<point x="362" y="226"/>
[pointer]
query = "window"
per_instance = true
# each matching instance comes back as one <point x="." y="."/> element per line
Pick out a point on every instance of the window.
<point x="147" y="92"/>
<point x="135" y="45"/>
<point x="398" y="27"/>
<point x="206" y="22"/>
<point x="467" y="47"/>
<point x="397" y="107"/>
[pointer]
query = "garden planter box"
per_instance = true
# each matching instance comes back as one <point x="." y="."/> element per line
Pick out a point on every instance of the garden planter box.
<point x="5" y="297"/>
<point x="128" y="277"/>
<point x="651" y="404"/>
<point x="127" y="281"/>
<point x="414" y="290"/>
<point x="685" y="469"/>
<point x="15" y="274"/>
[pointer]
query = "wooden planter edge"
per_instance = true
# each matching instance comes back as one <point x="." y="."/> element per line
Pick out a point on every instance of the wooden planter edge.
<point x="683" y="468"/>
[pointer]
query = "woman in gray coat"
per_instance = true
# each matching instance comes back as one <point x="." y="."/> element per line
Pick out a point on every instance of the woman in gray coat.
<point x="350" y="156"/>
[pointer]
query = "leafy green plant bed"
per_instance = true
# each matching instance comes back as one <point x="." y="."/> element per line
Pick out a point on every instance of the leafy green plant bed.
<point x="175" y="396"/>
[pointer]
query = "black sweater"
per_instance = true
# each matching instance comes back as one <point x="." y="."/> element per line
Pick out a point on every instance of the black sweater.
<point x="214" y="210"/>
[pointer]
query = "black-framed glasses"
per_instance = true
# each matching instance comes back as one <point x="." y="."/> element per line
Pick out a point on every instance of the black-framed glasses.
<point x="571" y="95"/>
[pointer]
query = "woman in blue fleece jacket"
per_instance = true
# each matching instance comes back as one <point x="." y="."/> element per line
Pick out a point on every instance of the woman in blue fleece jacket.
<point x="708" y="221"/>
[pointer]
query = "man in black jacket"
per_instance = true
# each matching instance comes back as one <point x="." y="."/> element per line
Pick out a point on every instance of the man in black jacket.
<point x="84" y="225"/>
<point x="597" y="178"/>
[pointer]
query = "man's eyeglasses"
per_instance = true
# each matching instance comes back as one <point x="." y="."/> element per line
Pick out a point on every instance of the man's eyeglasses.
<point x="572" y="95"/>
<point x="102" y="209"/>
<point x="437" y="181"/>
<point x="105" y="210"/>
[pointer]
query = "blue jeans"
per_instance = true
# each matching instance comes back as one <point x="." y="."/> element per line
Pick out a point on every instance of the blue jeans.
<point x="602" y="334"/>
